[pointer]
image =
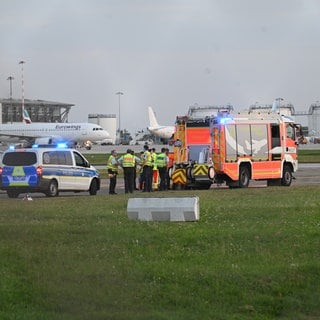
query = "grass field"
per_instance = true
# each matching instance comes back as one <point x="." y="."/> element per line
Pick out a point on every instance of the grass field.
<point x="254" y="254"/>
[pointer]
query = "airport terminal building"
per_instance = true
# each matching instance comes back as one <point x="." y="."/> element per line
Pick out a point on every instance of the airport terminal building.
<point x="39" y="110"/>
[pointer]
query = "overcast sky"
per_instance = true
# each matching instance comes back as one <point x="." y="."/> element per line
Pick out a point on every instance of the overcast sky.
<point x="168" y="54"/>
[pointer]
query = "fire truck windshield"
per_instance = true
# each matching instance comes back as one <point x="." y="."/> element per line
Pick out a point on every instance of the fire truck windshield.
<point x="291" y="131"/>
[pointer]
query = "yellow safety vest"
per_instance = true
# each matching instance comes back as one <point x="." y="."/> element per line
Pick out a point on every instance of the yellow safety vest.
<point x="112" y="165"/>
<point x="147" y="159"/>
<point x="154" y="160"/>
<point x="128" y="161"/>
<point x="161" y="160"/>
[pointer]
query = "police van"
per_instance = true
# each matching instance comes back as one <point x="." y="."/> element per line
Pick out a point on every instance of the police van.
<point x="47" y="170"/>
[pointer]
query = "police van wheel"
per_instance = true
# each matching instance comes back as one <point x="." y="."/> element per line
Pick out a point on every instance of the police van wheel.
<point x="12" y="194"/>
<point x="52" y="189"/>
<point x="93" y="187"/>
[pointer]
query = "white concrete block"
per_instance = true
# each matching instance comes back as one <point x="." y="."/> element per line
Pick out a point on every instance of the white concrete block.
<point x="164" y="209"/>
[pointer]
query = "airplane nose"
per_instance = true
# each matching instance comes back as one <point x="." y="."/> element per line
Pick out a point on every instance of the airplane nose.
<point x="106" y="134"/>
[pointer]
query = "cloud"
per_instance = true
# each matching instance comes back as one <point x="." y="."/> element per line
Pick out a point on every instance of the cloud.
<point x="169" y="54"/>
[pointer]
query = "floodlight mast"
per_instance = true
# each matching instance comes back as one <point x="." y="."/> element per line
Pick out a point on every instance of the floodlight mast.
<point x="119" y="93"/>
<point x="22" y="88"/>
<point x="10" y="78"/>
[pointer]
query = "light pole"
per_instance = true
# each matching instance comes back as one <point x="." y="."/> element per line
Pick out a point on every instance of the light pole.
<point x="10" y="78"/>
<point x="119" y="93"/>
<point x="22" y="88"/>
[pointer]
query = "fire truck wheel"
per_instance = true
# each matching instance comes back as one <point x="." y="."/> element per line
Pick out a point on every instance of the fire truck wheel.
<point x="211" y="173"/>
<point x="177" y="186"/>
<point x="286" y="176"/>
<point x="244" y="177"/>
<point x="190" y="174"/>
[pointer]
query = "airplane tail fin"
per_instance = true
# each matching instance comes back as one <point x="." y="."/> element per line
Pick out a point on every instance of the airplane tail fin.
<point x="26" y="117"/>
<point x="152" y="118"/>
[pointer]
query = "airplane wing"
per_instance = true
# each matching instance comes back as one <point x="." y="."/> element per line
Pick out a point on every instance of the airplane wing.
<point x="27" y="141"/>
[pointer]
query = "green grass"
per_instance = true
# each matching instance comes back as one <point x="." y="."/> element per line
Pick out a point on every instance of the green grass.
<point x="98" y="158"/>
<point x="254" y="254"/>
<point x="305" y="155"/>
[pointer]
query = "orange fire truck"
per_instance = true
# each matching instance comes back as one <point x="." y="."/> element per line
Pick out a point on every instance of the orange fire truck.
<point x="257" y="146"/>
<point x="234" y="148"/>
<point x="192" y="154"/>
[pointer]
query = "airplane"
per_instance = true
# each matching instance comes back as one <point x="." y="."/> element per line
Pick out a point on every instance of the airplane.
<point x="44" y="133"/>
<point x="164" y="132"/>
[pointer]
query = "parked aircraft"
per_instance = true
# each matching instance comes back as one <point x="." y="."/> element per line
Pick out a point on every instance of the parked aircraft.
<point x="165" y="132"/>
<point x="50" y="133"/>
<point x="142" y="138"/>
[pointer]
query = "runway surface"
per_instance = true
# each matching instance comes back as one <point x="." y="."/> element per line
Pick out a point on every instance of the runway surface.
<point x="307" y="174"/>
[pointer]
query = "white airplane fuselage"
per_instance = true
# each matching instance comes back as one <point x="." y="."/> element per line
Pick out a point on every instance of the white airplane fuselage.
<point x="165" y="132"/>
<point x="71" y="132"/>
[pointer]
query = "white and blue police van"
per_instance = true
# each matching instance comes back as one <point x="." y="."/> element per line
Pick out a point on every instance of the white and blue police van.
<point x="47" y="170"/>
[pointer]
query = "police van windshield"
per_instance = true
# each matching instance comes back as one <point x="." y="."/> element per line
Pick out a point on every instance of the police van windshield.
<point x="19" y="159"/>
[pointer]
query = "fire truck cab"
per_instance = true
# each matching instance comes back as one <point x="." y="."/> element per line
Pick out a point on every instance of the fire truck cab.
<point x="257" y="146"/>
<point x="192" y="154"/>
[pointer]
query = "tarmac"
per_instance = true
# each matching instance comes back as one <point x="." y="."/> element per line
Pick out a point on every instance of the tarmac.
<point x="123" y="148"/>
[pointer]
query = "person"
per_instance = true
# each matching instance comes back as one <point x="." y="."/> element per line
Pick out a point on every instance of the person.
<point x="112" y="167"/>
<point x="169" y="166"/>
<point x="136" y="168"/>
<point x="162" y="161"/>
<point x="147" y="169"/>
<point x="155" y="172"/>
<point x="127" y="162"/>
<point x="141" y="176"/>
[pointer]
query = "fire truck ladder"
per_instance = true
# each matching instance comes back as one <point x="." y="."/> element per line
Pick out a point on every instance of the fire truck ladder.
<point x="216" y="148"/>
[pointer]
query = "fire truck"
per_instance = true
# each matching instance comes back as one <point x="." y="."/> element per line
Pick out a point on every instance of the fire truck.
<point x="234" y="149"/>
<point x="193" y="166"/>
<point x="254" y="145"/>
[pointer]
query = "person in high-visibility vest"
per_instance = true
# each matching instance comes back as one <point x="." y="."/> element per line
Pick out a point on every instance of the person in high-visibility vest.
<point x="162" y="161"/>
<point x="155" y="172"/>
<point x="147" y="169"/>
<point x="112" y="167"/>
<point x="141" y="175"/>
<point x="137" y="161"/>
<point x="127" y="162"/>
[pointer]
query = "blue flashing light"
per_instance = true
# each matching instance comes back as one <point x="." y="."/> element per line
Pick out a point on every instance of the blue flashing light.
<point x="11" y="147"/>
<point x="225" y="120"/>
<point x="62" y="145"/>
<point x="35" y="146"/>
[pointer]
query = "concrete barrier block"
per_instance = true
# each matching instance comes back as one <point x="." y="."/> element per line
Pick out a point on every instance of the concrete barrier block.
<point x="164" y="209"/>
